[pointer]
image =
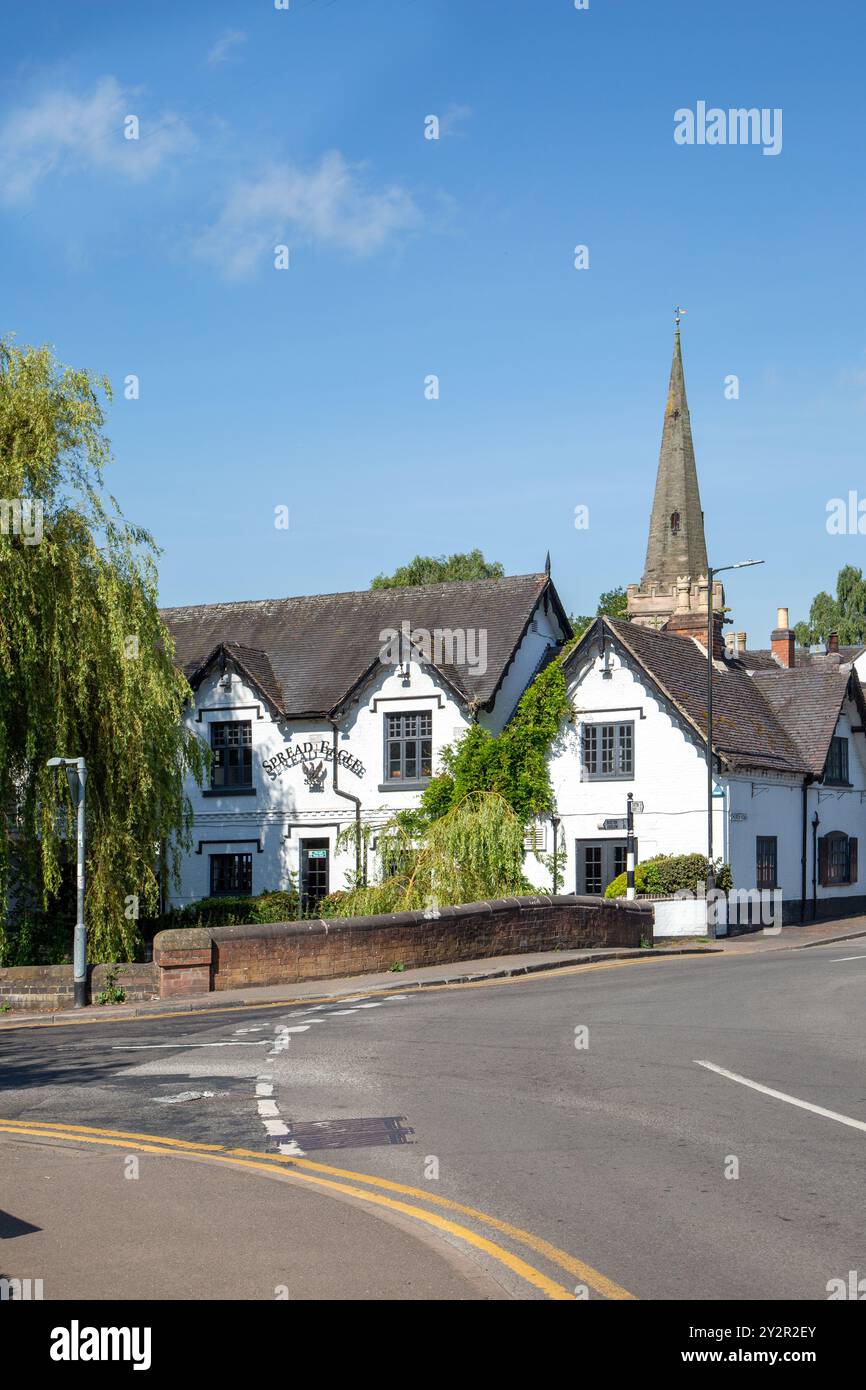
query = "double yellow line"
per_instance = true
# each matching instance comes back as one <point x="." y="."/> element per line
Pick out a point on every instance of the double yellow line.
<point x="324" y="1175"/>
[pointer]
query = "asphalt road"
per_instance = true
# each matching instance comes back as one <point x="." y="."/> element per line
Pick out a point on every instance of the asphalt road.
<point x="456" y="1143"/>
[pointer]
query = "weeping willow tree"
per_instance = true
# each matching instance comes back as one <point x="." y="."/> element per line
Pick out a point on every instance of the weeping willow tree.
<point x="472" y="853"/>
<point x="85" y="665"/>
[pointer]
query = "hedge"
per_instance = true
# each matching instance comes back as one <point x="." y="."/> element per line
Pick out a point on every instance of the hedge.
<point x="671" y="873"/>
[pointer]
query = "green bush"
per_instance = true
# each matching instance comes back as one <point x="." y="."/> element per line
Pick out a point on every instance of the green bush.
<point x="671" y="873"/>
<point x="280" y="906"/>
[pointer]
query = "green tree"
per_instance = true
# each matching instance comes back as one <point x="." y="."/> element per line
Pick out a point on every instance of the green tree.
<point x="845" y="614"/>
<point x="85" y="665"/>
<point x="613" y="603"/>
<point x="439" y="569"/>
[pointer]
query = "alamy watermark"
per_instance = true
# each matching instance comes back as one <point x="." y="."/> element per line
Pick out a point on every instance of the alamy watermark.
<point x="444" y="646"/>
<point x="846" y="518"/>
<point x="711" y="125"/>
<point x="22" y="516"/>
<point x="748" y="907"/>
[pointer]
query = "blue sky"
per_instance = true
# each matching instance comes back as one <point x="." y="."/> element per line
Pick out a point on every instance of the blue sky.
<point x="304" y="388"/>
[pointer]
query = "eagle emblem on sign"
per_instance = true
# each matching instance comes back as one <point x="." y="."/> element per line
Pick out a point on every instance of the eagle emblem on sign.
<point x="314" y="775"/>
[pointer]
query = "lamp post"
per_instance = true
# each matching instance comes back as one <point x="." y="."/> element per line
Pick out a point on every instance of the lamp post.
<point x="76" y="774"/>
<point x="711" y="574"/>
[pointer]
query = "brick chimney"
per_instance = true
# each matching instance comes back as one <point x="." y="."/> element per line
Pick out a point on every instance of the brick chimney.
<point x="833" y="642"/>
<point x="782" y="640"/>
<point x="694" y="624"/>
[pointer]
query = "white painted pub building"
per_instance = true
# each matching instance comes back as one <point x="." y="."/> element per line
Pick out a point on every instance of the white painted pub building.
<point x="329" y="712"/>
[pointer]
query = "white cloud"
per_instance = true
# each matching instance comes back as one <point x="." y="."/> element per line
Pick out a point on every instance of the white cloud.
<point x="330" y="204"/>
<point x="453" y="118"/>
<point x="63" y="132"/>
<point x="224" y="45"/>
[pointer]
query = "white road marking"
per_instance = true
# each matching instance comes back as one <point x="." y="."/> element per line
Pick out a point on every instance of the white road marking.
<point x="338" y="1012"/>
<point x="150" y="1047"/>
<point x="268" y="1109"/>
<point x="187" y="1095"/>
<point x="835" y="960"/>
<point x="277" y="1128"/>
<point x="265" y="1088"/>
<point x="290" y="1147"/>
<point x="781" y="1095"/>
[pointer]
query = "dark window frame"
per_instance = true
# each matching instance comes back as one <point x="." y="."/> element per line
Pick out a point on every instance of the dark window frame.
<point x="236" y="884"/>
<point x="838" y="859"/>
<point x="398" y="735"/>
<point x="768" y="861"/>
<point x="605" y="742"/>
<point x="231" y="756"/>
<point x="837" y="769"/>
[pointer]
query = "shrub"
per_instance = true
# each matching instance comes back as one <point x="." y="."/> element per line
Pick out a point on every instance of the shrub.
<point x="671" y="873"/>
<point x="280" y="906"/>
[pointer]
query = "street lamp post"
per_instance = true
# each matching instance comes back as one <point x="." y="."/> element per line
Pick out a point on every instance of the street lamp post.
<point x="76" y="773"/>
<point x="711" y="574"/>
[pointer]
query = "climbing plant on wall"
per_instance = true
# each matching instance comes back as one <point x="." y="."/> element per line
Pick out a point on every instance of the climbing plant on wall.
<point x="513" y="763"/>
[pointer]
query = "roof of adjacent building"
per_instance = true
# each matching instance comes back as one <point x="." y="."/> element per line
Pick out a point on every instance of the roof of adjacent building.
<point x="762" y="658"/>
<point x="776" y="719"/>
<point x="746" y="730"/>
<point x="308" y="654"/>
<point x="807" y="701"/>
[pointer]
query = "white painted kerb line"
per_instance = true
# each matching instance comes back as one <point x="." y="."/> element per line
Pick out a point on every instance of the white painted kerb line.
<point x="781" y="1095"/>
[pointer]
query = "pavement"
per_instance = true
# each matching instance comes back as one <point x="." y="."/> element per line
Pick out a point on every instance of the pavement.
<point x="664" y="1126"/>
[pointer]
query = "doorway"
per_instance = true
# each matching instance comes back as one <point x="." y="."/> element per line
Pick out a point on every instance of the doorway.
<point x="314" y="873"/>
<point x="598" y="863"/>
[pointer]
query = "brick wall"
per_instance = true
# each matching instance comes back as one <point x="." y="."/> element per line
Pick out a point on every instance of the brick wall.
<point x="51" y="987"/>
<point x="192" y="960"/>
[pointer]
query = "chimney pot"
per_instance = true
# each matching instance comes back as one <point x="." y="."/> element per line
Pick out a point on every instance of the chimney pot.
<point x="781" y="617"/>
<point x="741" y="642"/>
<point x="833" y="642"/>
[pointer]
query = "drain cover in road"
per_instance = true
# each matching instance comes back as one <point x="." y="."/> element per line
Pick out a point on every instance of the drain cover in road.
<point x="367" y="1132"/>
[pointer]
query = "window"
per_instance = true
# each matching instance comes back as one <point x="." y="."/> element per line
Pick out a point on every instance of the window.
<point x="608" y="750"/>
<point x="232" y="745"/>
<point x="837" y="859"/>
<point x="837" y="761"/>
<point x="408" y="747"/>
<point x="230" y="875"/>
<point x="766" y="857"/>
<point x="675" y="523"/>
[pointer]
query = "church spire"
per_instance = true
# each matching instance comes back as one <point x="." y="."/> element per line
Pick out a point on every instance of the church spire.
<point x="676" y="545"/>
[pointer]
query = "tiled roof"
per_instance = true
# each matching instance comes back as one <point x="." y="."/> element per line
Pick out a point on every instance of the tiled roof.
<point x="746" y="731"/>
<point x="807" y="702"/>
<point x="307" y="653"/>
<point x="762" y="659"/>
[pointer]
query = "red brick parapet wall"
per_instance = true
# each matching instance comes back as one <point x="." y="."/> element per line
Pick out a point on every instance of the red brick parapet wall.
<point x="47" y="987"/>
<point x="193" y="960"/>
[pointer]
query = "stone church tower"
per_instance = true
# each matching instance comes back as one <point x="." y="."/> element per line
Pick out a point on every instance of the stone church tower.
<point x="673" y="590"/>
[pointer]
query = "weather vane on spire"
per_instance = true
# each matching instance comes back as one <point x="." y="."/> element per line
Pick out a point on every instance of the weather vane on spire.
<point x="678" y="313"/>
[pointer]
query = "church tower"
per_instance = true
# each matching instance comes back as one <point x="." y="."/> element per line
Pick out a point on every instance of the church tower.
<point x="675" y="572"/>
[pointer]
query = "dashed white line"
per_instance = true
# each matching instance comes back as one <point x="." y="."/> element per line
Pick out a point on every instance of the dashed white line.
<point x="782" y="1095"/>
